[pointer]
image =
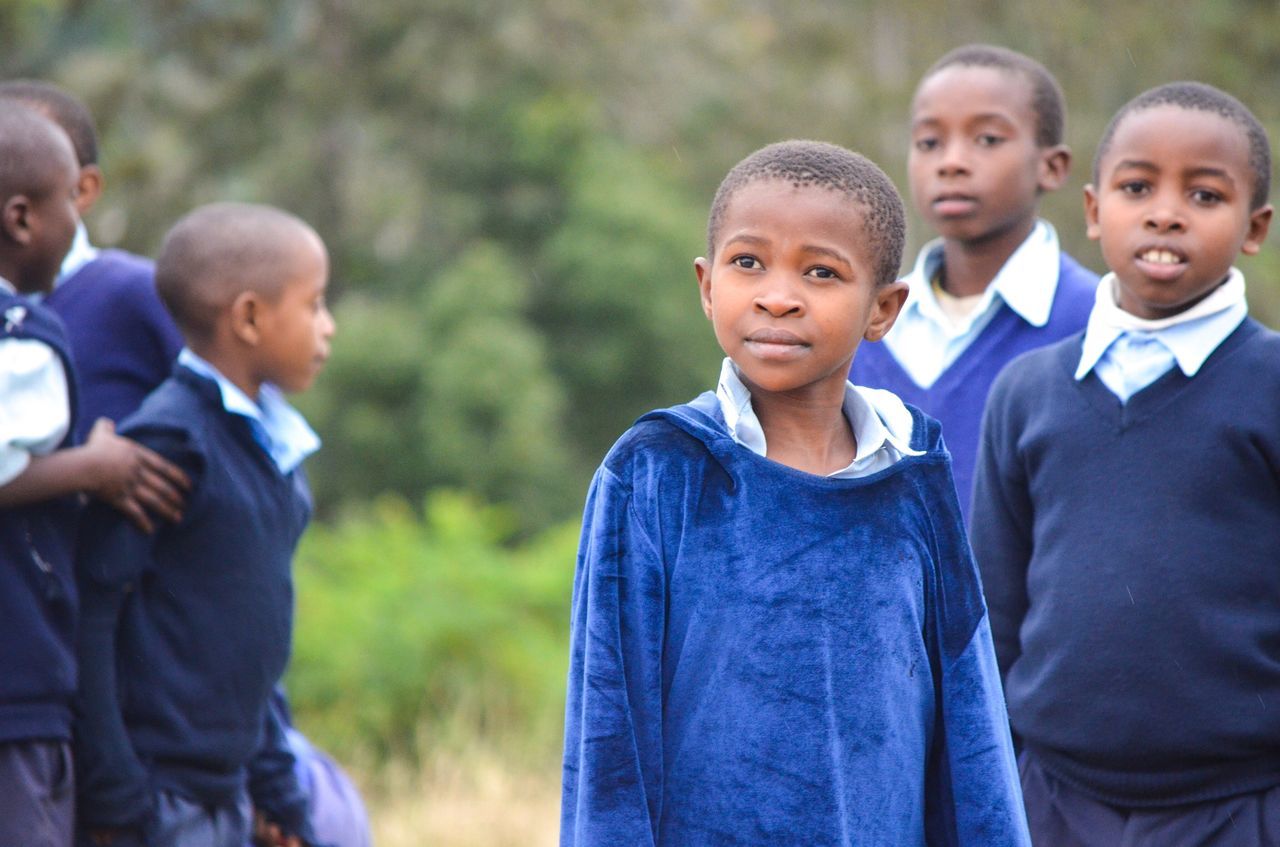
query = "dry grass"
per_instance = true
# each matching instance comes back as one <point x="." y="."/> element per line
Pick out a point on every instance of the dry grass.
<point x="473" y="799"/>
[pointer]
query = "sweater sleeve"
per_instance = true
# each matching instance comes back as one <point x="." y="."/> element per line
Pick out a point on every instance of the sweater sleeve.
<point x="973" y="795"/>
<point x="1002" y="525"/>
<point x="613" y="770"/>
<point x="274" y="786"/>
<point x="113" y="786"/>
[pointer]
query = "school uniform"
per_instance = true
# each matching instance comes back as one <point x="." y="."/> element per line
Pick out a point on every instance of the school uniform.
<point x="37" y="587"/>
<point x="764" y="656"/>
<point x="1128" y="552"/>
<point x="946" y="365"/>
<point x="185" y="633"/>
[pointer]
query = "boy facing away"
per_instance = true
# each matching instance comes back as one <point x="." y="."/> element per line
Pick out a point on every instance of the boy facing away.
<point x="777" y="633"/>
<point x="42" y="472"/>
<point x="1130" y="543"/>
<point x="987" y="129"/>
<point x="185" y="634"/>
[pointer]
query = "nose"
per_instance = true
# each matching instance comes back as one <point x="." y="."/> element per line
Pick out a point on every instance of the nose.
<point x="1163" y="216"/>
<point x="327" y="324"/>
<point x="953" y="160"/>
<point x="778" y="297"/>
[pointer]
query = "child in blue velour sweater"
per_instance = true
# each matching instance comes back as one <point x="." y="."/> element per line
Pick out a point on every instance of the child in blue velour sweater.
<point x="777" y="633"/>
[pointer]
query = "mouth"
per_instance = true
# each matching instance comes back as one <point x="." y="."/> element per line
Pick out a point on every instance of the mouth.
<point x="775" y="344"/>
<point x="1161" y="262"/>
<point x="953" y="204"/>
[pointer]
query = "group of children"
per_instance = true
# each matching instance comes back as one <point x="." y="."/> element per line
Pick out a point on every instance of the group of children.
<point x="145" y="631"/>
<point x="801" y="603"/>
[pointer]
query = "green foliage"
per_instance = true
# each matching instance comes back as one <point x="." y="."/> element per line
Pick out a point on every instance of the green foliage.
<point x="428" y="630"/>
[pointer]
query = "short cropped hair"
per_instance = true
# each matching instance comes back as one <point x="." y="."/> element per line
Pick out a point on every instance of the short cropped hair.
<point x="1047" y="102"/>
<point x="64" y="109"/>
<point x="34" y="153"/>
<point x="216" y="252"/>
<point x="1199" y="97"/>
<point x="815" y="163"/>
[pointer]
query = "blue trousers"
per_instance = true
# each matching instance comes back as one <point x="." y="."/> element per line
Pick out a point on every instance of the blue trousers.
<point x="37" y="794"/>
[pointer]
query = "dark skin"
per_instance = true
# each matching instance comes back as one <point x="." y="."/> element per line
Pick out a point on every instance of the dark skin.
<point x="35" y="231"/>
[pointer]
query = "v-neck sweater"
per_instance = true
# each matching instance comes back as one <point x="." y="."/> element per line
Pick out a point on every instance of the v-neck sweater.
<point x="1130" y="555"/>
<point x="957" y="397"/>
<point x="764" y="656"/>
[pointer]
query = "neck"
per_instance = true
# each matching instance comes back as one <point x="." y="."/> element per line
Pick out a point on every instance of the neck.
<point x="808" y="433"/>
<point x="230" y="367"/>
<point x="968" y="267"/>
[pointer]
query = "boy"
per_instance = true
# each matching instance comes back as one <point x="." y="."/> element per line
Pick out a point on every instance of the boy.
<point x="1129" y="548"/>
<point x="986" y="141"/>
<point x="125" y="344"/>
<point x="123" y="339"/>
<point x="777" y="632"/>
<point x="41" y="472"/>
<point x="185" y="635"/>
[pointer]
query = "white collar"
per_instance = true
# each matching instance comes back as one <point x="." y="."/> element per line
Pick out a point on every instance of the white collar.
<point x="7" y="286"/>
<point x="877" y="417"/>
<point x="1191" y="336"/>
<point x="288" y="437"/>
<point x="1027" y="282"/>
<point x="82" y="252"/>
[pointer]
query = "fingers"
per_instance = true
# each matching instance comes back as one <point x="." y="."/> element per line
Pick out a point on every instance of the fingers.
<point x="159" y="464"/>
<point x="137" y="515"/>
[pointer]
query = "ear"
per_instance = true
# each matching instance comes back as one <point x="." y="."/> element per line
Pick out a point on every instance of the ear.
<point x="88" y="188"/>
<point x="1259" y="223"/>
<point x="1091" y="227"/>
<point x="888" y="305"/>
<point x="245" y="313"/>
<point x="702" y="270"/>
<point x="15" y="219"/>
<point x="1055" y="165"/>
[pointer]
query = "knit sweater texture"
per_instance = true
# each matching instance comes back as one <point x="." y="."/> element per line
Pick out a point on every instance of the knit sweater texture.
<point x="957" y="397"/>
<point x="763" y="656"/>
<point x="1130" y="554"/>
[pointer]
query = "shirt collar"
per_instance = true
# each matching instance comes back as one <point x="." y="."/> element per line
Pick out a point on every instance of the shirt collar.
<point x="879" y="420"/>
<point x="278" y="427"/>
<point x="1191" y="336"/>
<point x="1027" y="282"/>
<point x="7" y="286"/>
<point x="81" y="253"/>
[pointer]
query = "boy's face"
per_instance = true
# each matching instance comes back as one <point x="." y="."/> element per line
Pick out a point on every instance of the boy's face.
<point x="1171" y="207"/>
<point x="296" y="327"/>
<point x="46" y="224"/>
<point x="975" y="168"/>
<point x="791" y="289"/>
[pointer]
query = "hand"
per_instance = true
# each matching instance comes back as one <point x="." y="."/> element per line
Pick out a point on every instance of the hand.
<point x="267" y="834"/>
<point x="136" y="480"/>
<point x="107" y="836"/>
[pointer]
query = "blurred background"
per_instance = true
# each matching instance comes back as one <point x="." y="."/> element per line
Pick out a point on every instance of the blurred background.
<point x="512" y="194"/>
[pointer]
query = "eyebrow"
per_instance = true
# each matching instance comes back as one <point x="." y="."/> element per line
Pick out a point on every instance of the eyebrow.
<point x="1201" y="171"/>
<point x="1001" y="117"/>
<point x="805" y="248"/>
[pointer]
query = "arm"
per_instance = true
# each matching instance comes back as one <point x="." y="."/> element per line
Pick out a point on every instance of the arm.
<point x="278" y="796"/>
<point x="973" y="795"/>
<point x="113" y="469"/>
<point x="612" y="778"/>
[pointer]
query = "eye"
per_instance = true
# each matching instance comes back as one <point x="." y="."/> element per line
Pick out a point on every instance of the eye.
<point x="822" y="272"/>
<point x="989" y="139"/>
<point x="1205" y="197"/>
<point x="746" y="262"/>
<point x="926" y="144"/>
<point x="1135" y="187"/>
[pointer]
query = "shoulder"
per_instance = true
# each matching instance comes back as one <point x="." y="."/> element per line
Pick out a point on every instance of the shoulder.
<point x="180" y="407"/>
<point x="1031" y="374"/>
<point x="123" y="266"/>
<point x="1258" y="353"/>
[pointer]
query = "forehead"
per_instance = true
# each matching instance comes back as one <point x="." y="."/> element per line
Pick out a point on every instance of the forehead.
<point x="968" y="92"/>
<point x="1174" y="138"/>
<point x="765" y="206"/>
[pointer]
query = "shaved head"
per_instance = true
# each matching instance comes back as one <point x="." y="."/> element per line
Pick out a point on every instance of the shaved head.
<point x="62" y="108"/>
<point x="34" y="153"/>
<point x="221" y="250"/>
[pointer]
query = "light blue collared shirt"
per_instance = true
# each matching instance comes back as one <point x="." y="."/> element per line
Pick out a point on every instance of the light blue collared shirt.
<point x="82" y="252"/>
<point x="1129" y="353"/>
<point x="926" y="342"/>
<point x="278" y="427"/>
<point x="881" y="423"/>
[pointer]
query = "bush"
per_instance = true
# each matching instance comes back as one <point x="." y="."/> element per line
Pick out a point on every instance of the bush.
<point x="429" y="630"/>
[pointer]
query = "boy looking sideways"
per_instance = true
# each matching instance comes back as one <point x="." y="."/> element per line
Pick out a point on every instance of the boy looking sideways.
<point x="777" y="632"/>
<point x="1132" y="473"/>
<point x="41" y="474"/>
<point x="987" y="128"/>
<point x="185" y="634"/>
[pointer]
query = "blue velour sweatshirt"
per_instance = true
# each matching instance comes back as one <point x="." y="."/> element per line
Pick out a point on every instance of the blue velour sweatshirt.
<point x="763" y="656"/>
<point x="958" y="395"/>
<point x="37" y="586"/>
<point x="123" y="339"/>
<point x="185" y="633"/>
<point x="1131" y="558"/>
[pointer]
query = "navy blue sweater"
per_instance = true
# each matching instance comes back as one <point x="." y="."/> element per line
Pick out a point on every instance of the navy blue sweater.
<point x="185" y="633"/>
<point x="762" y="656"/>
<point x="958" y="395"/>
<point x="37" y="589"/>
<point x="123" y="339"/>
<point x="1131" y="560"/>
